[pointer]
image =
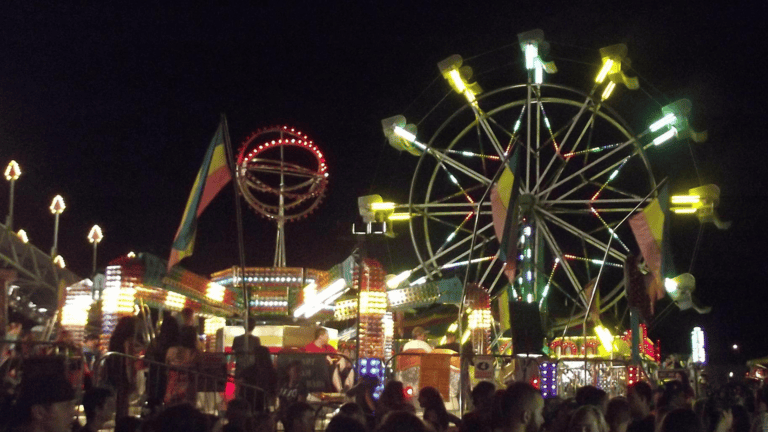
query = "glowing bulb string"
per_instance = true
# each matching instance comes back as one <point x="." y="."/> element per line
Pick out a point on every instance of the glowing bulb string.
<point x="472" y="154"/>
<point x="593" y="261"/>
<point x="549" y="128"/>
<point x="591" y="150"/>
<point x="610" y="230"/>
<point x="613" y="175"/>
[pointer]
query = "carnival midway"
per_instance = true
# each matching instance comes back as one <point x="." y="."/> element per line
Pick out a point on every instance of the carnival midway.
<point x="541" y="232"/>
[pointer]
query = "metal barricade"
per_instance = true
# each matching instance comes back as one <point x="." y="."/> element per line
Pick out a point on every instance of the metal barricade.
<point x="209" y="385"/>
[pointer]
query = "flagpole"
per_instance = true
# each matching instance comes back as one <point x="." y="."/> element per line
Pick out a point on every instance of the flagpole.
<point x="240" y="244"/>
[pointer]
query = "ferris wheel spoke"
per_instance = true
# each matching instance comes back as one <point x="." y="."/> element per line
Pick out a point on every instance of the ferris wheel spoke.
<point x="581" y="234"/>
<point x="462" y="242"/>
<point x="488" y="271"/>
<point x="588" y="166"/>
<point x="512" y="135"/>
<point x="443" y="158"/>
<point x="431" y="266"/>
<point x="550" y="240"/>
<point x="571" y="125"/>
<point x="558" y="155"/>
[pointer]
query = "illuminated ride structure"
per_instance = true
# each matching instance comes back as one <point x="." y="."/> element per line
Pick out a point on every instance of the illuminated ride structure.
<point x="542" y="193"/>
<point x="140" y="283"/>
<point x="282" y="176"/>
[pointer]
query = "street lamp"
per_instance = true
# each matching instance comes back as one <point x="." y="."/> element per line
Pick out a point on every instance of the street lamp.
<point x="12" y="173"/>
<point x="57" y="207"/>
<point x="95" y="237"/>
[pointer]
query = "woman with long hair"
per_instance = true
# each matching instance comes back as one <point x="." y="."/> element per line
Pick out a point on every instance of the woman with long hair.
<point x="182" y="359"/>
<point x="120" y="368"/>
<point x="392" y="399"/>
<point x="435" y="413"/>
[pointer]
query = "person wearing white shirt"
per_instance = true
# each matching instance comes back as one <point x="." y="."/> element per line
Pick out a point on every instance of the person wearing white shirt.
<point x="419" y="341"/>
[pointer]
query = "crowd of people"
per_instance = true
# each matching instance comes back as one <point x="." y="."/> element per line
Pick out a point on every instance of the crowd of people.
<point x="273" y="399"/>
<point x="47" y="402"/>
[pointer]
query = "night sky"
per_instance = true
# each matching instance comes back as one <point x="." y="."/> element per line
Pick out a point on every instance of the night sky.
<point x="113" y="107"/>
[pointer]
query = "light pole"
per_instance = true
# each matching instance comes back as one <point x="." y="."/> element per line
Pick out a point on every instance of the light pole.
<point x="57" y="207"/>
<point x="95" y="237"/>
<point x="12" y="173"/>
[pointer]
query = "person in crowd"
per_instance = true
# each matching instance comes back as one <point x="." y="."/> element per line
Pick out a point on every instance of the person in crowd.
<point x="157" y="351"/>
<point x="521" y="409"/>
<point x="717" y="416"/>
<point x="672" y="397"/>
<point x="179" y="418"/>
<point x="760" y="421"/>
<point x="320" y="343"/>
<point x="480" y="418"/>
<point x="99" y="408"/>
<point x="45" y="403"/>
<point x="563" y="415"/>
<point x="354" y="411"/>
<point x="120" y="369"/>
<point x="188" y="317"/>
<point x="392" y="399"/>
<point x="740" y="418"/>
<point x="292" y="390"/>
<point x="300" y="417"/>
<point x="238" y="417"/>
<point x="91" y="352"/>
<point x="260" y="379"/>
<point x="591" y="395"/>
<point x="342" y="423"/>
<point x="343" y="375"/>
<point x="362" y="393"/>
<point x="434" y="412"/>
<point x="617" y="416"/>
<point x="588" y="418"/>
<point x="243" y="358"/>
<point x="680" y="420"/>
<point x="181" y="359"/>
<point x="639" y="397"/>
<point x="91" y="355"/>
<point x="451" y="342"/>
<point x="402" y="421"/>
<point x="419" y="341"/>
<point x="128" y="424"/>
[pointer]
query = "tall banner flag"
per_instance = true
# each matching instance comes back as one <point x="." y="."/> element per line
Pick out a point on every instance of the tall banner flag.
<point x="212" y="177"/>
<point x="505" y="212"/>
<point x="651" y="230"/>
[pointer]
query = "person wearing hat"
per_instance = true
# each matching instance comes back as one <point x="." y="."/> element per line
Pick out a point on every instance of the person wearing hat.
<point x="45" y="403"/>
<point x="419" y="341"/>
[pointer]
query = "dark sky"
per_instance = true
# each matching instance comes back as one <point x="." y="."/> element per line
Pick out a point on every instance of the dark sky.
<point x="113" y="107"/>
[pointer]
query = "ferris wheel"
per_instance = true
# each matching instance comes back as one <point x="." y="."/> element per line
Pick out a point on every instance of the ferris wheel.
<point x="283" y="176"/>
<point x="553" y="170"/>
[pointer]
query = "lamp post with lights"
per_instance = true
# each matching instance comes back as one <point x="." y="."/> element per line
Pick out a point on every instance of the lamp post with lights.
<point x="12" y="173"/>
<point x="95" y="236"/>
<point x="57" y="207"/>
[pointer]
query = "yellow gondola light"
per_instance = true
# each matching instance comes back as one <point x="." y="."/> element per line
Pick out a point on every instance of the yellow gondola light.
<point x="458" y="77"/>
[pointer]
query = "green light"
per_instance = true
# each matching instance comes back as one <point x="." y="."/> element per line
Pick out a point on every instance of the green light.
<point x="531" y="52"/>
<point x="666" y="120"/>
<point x="665" y="136"/>
<point x="539" y="74"/>
<point x="402" y="133"/>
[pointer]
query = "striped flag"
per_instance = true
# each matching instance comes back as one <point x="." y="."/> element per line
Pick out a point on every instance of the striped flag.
<point x="505" y="212"/>
<point x="212" y="177"/>
<point x="650" y="228"/>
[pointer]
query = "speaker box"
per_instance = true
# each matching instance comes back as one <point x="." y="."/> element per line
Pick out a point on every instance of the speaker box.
<point x="527" y="332"/>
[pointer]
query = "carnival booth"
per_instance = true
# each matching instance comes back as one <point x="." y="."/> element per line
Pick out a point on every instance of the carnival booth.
<point x="602" y="361"/>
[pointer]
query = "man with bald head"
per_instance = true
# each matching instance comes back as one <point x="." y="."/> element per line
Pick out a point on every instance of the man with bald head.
<point x="522" y="409"/>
